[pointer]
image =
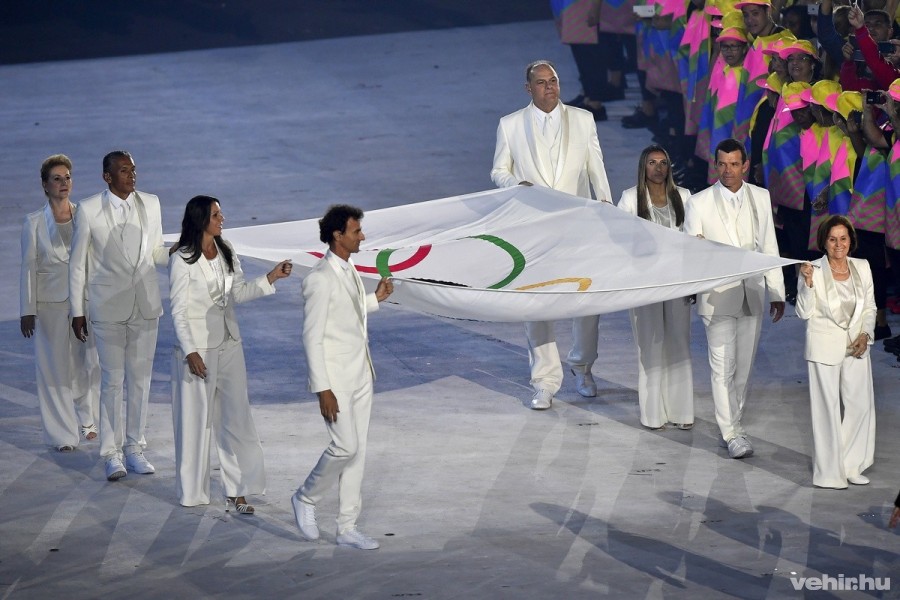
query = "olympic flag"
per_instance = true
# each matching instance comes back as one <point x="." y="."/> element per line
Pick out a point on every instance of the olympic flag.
<point x="517" y="254"/>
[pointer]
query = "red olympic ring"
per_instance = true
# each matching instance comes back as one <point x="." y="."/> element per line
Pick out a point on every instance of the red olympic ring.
<point x="417" y="257"/>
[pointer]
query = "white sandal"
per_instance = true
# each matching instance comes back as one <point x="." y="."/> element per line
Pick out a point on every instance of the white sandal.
<point x="89" y="432"/>
<point x="239" y="504"/>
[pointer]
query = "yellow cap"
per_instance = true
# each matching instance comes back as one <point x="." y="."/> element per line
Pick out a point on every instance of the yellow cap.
<point x="772" y="82"/>
<point x="744" y="3"/>
<point x="792" y="94"/>
<point x="849" y="102"/>
<point x="733" y="33"/>
<point x="825" y="93"/>
<point x="733" y="18"/>
<point x="894" y="90"/>
<point x="798" y="46"/>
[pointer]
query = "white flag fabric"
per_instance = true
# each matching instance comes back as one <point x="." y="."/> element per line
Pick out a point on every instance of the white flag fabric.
<point x="517" y="254"/>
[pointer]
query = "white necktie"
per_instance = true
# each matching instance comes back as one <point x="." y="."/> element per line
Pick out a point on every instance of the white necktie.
<point x="547" y="130"/>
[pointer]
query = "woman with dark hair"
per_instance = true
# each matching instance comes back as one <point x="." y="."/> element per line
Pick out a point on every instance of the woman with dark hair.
<point x="209" y="377"/>
<point x="67" y="371"/>
<point x="661" y="331"/>
<point x="836" y="299"/>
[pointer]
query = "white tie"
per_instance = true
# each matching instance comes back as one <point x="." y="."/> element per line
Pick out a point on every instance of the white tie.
<point x="547" y="130"/>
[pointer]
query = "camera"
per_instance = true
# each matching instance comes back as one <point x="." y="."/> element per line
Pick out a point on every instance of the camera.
<point x="885" y="48"/>
<point x="812" y="10"/>
<point x="644" y="12"/>
<point x="875" y="97"/>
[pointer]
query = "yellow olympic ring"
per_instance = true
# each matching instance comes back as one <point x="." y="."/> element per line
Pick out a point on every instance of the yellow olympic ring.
<point x="583" y="283"/>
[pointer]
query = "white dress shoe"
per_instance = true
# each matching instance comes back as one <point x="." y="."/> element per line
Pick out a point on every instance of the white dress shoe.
<point x="305" y="516"/>
<point x="541" y="400"/>
<point x="356" y="539"/>
<point x="115" y="470"/>
<point x="858" y="479"/>
<point x="137" y="463"/>
<point x="585" y="385"/>
<point x="739" y="447"/>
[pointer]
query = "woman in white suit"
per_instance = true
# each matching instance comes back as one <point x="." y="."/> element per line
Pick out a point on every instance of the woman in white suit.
<point x="662" y="331"/>
<point x="209" y="379"/>
<point x="836" y="297"/>
<point x="68" y="373"/>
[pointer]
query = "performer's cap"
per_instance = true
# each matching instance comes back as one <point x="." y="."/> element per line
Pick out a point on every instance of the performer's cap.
<point x="733" y="33"/>
<point x="792" y="94"/>
<point x="849" y="102"/>
<point x="744" y="3"/>
<point x="775" y="48"/>
<point x="894" y="90"/>
<point x="825" y="93"/>
<point x="733" y="18"/>
<point x="798" y="47"/>
<point x="772" y="82"/>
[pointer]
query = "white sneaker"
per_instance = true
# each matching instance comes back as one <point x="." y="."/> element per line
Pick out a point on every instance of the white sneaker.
<point x="585" y="385"/>
<point x="858" y="479"/>
<point x="356" y="539"/>
<point x="541" y="400"/>
<point x="739" y="447"/>
<point x="115" y="470"/>
<point x="305" y="516"/>
<point x="136" y="463"/>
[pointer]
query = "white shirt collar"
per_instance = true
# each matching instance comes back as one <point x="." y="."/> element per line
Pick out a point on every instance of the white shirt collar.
<point x="729" y="195"/>
<point x="118" y="203"/>
<point x="540" y="115"/>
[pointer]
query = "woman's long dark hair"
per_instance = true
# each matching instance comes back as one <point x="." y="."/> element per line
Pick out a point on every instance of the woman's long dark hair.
<point x="196" y="219"/>
<point x="643" y="198"/>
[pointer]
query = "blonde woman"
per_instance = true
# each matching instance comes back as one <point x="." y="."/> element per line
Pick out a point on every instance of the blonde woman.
<point x="67" y="371"/>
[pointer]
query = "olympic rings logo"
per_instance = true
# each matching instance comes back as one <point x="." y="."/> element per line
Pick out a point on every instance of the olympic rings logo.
<point x="384" y="268"/>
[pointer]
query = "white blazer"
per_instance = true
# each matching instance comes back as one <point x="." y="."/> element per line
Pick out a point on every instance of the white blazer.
<point x="334" y="327"/>
<point x="200" y="322"/>
<point x="704" y="216"/>
<point x="99" y="270"/>
<point x="45" y="262"/>
<point x="826" y="341"/>
<point x="580" y="166"/>
<point x="629" y="201"/>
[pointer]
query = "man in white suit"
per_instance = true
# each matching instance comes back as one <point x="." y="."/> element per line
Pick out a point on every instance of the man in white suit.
<point x="115" y="249"/>
<point x="340" y="368"/>
<point x="552" y="145"/>
<point x="738" y="214"/>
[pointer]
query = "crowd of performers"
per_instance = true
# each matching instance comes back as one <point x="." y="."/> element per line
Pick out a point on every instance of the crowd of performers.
<point x="812" y="90"/>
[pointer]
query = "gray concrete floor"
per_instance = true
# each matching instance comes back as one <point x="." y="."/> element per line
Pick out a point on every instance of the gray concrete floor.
<point x="470" y="494"/>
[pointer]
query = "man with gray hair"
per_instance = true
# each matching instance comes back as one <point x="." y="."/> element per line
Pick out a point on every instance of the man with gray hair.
<point x="552" y="145"/>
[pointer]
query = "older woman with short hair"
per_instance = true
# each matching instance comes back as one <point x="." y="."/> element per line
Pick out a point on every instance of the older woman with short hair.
<point x="67" y="371"/>
<point x="836" y="299"/>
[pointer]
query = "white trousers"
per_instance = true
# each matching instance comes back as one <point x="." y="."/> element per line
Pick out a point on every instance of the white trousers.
<point x="126" y="352"/>
<point x="842" y="447"/>
<point x="67" y="375"/>
<point x="215" y="410"/>
<point x="662" y="333"/>
<point x="344" y="459"/>
<point x="732" y="342"/>
<point x="543" y="354"/>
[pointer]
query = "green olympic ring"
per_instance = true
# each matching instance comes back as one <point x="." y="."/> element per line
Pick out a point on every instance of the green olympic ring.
<point x="384" y="269"/>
